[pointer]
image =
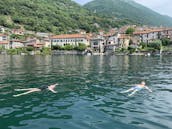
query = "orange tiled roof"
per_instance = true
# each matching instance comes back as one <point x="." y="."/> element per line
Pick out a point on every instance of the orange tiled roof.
<point x="107" y="35"/>
<point x="151" y="31"/>
<point x="38" y="45"/>
<point x="64" y="36"/>
<point x="15" y="40"/>
<point x="124" y="36"/>
<point x="142" y="32"/>
<point x="3" y="42"/>
<point x="3" y="35"/>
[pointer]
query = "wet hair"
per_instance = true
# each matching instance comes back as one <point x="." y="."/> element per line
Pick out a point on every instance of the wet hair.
<point x="43" y="88"/>
<point x="143" y="82"/>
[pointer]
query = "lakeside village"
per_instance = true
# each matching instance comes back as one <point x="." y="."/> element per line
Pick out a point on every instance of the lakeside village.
<point x="134" y="40"/>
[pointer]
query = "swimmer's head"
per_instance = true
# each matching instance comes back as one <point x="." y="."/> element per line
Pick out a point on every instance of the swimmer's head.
<point x="143" y="82"/>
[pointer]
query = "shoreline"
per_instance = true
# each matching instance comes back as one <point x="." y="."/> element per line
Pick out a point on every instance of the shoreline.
<point x="74" y="52"/>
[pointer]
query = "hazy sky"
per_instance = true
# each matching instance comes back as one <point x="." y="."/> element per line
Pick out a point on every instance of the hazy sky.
<point x="161" y="6"/>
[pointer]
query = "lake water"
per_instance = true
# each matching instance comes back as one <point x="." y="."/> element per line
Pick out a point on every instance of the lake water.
<point x="88" y="93"/>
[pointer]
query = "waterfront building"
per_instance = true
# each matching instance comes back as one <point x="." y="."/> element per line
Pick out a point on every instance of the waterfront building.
<point x="16" y="44"/>
<point x="46" y="42"/>
<point x="123" y="40"/>
<point x="97" y="44"/>
<point x="111" y="43"/>
<point x="112" y="40"/>
<point x="70" y="39"/>
<point x="35" y="43"/>
<point x="150" y="35"/>
<point x="109" y="48"/>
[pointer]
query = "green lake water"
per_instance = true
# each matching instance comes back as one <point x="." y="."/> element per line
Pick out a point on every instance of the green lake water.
<point x="88" y="93"/>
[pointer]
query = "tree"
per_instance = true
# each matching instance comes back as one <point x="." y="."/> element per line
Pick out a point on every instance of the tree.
<point x="165" y="41"/>
<point x="81" y="47"/>
<point x="130" y="31"/>
<point x="68" y="47"/>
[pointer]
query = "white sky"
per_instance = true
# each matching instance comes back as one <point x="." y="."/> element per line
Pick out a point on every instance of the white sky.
<point x="161" y="6"/>
<point x="82" y="1"/>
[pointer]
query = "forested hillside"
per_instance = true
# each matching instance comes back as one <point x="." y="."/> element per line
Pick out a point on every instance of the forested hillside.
<point x="58" y="16"/>
<point x="128" y="9"/>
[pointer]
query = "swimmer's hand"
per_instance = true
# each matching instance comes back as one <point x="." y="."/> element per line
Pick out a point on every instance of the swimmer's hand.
<point x="53" y="91"/>
<point x="146" y="87"/>
<point x="52" y="87"/>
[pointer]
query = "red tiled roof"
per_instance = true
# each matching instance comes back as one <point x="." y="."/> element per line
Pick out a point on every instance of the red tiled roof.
<point x="64" y="36"/>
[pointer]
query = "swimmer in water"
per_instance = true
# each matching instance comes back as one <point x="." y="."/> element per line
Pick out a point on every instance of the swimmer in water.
<point x="136" y="88"/>
<point x="31" y="90"/>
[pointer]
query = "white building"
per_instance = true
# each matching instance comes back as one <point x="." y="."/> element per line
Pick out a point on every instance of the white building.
<point x="123" y="40"/>
<point x="2" y="29"/>
<point x="16" y="44"/>
<point x="97" y="44"/>
<point x="112" y="40"/>
<point x="70" y="39"/>
<point x="150" y="35"/>
<point x="4" y="42"/>
<point x="46" y="42"/>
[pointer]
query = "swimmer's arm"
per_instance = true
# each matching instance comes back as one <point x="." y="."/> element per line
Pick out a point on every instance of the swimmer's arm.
<point x="146" y="87"/>
<point x="133" y="93"/>
<point x="28" y="89"/>
<point x="28" y="92"/>
<point x="25" y="93"/>
<point x="52" y="90"/>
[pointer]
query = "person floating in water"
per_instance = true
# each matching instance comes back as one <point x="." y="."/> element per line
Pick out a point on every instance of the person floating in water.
<point x="31" y="90"/>
<point x="136" y="88"/>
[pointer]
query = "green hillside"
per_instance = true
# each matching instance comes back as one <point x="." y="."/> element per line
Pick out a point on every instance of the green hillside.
<point x="58" y="16"/>
<point x="128" y="9"/>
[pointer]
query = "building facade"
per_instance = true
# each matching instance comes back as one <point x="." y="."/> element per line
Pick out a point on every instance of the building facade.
<point x="4" y="41"/>
<point x="97" y="44"/>
<point x="147" y="36"/>
<point x="16" y="44"/>
<point x="35" y="43"/>
<point x="70" y="39"/>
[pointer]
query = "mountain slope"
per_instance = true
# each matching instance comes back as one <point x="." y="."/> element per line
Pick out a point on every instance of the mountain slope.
<point x="58" y="16"/>
<point x="128" y="9"/>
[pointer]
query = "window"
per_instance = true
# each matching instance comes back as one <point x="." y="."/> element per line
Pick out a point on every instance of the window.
<point x="4" y="38"/>
<point x="95" y="43"/>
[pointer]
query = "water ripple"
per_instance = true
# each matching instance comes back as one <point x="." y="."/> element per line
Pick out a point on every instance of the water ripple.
<point x="88" y="93"/>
